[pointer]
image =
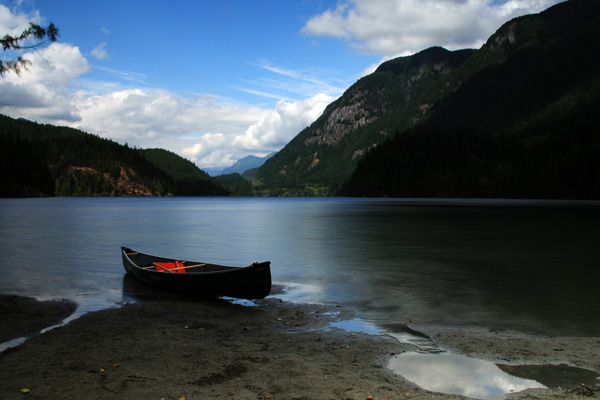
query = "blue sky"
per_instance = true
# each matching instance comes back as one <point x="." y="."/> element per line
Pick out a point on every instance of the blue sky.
<point x="215" y="81"/>
<point x="220" y="48"/>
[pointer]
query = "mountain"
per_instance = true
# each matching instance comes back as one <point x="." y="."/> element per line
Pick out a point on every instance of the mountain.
<point x="521" y="119"/>
<point x="240" y="166"/>
<point x="321" y="157"/>
<point x="46" y="160"/>
<point x="246" y="163"/>
<point x="520" y="111"/>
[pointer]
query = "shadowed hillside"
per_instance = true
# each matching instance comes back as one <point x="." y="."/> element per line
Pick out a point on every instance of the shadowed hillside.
<point x="45" y="160"/>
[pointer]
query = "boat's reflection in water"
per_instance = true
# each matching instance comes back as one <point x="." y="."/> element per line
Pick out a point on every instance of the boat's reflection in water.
<point x="135" y="291"/>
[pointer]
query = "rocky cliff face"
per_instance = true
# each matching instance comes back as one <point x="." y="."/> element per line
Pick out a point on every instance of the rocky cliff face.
<point x="371" y="110"/>
<point x="346" y="118"/>
<point x="369" y="100"/>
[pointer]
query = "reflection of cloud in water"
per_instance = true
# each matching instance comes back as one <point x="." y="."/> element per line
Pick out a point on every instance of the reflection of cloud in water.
<point x="356" y="325"/>
<point x="452" y="373"/>
<point x="301" y="293"/>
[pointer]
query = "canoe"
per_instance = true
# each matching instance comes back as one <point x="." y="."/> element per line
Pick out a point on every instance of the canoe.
<point x="199" y="278"/>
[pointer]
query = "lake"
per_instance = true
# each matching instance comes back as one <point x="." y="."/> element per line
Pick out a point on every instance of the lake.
<point x="532" y="266"/>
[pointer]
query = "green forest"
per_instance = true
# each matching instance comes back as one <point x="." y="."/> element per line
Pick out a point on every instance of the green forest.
<point x="558" y="160"/>
<point x="45" y="160"/>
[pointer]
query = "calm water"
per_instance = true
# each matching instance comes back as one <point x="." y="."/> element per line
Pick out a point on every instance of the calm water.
<point x="531" y="266"/>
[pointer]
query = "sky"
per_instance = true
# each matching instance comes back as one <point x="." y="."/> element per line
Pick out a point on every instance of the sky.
<point x="215" y="81"/>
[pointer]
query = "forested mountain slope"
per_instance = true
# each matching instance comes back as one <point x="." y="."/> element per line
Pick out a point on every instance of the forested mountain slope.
<point x="527" y="125"/>
<point x="322" y="156"/>
<point x="520" y="111"/>
<point x="46" y="160"/>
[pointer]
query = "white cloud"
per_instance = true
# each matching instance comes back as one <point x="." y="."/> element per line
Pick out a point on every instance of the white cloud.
<point x="209" y="131"/>
<point x="270" y="133"/>
<point x="210" y="151"/>
<point x="279" y="126"/>
<point x="402" y="27"/>
<point x="14" y="24"/>
<point x="161" y="119"/>
<point x="100" y="52"/>
<point x="42" y="92"/>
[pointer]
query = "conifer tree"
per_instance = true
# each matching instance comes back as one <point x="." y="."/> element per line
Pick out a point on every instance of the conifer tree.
<point x="15" y="43"/>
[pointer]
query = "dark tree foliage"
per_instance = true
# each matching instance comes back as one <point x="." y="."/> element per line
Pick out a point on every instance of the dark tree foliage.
<point x="236" y="184"/>
<point x="21" y="174"/>
<point x="48" y="160"/>
<point x="189" y="180"/>
<point x="553" y="160"/>
<point x="50" y="33"/>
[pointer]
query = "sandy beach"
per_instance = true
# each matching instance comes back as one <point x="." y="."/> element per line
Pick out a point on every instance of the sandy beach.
<point x="198" y="349"/>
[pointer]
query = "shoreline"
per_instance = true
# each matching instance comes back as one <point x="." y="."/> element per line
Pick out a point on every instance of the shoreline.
<point x="24" y="317"/>
<point x="200" y="348"/>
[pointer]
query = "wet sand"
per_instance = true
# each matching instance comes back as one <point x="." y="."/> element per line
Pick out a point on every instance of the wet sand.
<point x="24" y="316"/>
<point x="217" y="349"/>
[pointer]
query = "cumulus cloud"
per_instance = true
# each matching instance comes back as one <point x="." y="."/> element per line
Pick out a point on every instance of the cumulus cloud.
<point x="209" y="131"/>
<point x="402" y="27"/>
<point x="279" y="126"/>
<point x="42" y="92"/>
<point x="14" y="24"/>
<point x="210" y="150"/>
<point x="270" y="133"/>
<point x="161" y="119"/>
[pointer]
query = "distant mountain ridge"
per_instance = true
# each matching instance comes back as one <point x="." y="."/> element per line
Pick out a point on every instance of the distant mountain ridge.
<point x="244" y="164"/>
<point x="536" y="78"/>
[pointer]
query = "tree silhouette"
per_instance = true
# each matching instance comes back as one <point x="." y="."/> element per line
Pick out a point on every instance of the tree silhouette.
<point x="50" y="34"/>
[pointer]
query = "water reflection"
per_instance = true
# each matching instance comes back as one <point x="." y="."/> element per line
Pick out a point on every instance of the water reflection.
<point x="522" y="267"/>
<point x="456" y="374"/>
<point x="356" y="325"/>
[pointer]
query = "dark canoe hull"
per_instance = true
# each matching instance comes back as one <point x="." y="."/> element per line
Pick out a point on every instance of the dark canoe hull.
<point x="252" y="282"/>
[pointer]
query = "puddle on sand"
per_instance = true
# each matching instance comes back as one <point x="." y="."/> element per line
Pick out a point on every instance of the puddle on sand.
<point x="439" y="371"/>
<point x="356" y="325"/>
<point x="457" y="374"/>
<point x="241" y="302"/>
<point x="435" y="369"/>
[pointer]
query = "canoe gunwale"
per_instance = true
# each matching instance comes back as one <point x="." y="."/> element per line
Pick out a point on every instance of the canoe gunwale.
<point x="227" y="269"/>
